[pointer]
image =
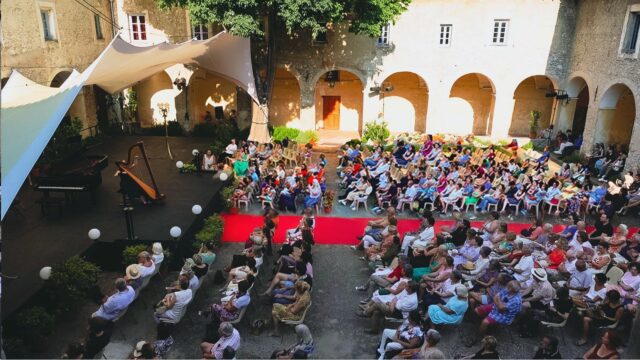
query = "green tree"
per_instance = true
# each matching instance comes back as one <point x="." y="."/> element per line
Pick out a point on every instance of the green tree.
<point x="245" y="18"/>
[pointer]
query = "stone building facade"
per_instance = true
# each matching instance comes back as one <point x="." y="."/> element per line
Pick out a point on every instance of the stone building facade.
<point x="451" y="66"/>
<point x="46" y="40"/>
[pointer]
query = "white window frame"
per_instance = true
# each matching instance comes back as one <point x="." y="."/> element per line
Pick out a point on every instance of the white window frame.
<point x="500" y="25"/>
<point x="444" y="39"/>
<point x="199" y="29"/>
<point x="50" y="26"/>
<point x="97" y="21"/>
<point x="622" y="51"/>
<point x="130" y="18"/>
<point x="385" y="35"/>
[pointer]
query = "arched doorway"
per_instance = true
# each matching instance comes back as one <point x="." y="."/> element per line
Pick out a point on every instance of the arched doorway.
<point x="616" y="115"/>
<point x="60" y="78"/>
<point x="338" y="101"/>
<point x="209" y="92"/>
<point x="150" y="92"/>
<point x="284" y="108"/>
<point x="404" y="97"/>
<point x="471" y="104"/>
<point x="581" y="104"/>
<point x="533" y="93"/>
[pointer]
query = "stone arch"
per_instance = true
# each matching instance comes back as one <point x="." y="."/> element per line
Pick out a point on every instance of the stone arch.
<point x="471" y="103"/>
<point x="156" y="89"/>
<point x="573" y="112"/>
<point x="404" y="96"/>
<point x="531" y="94"/>
<point x="339" y="104"/>
<point x="284" y="108"/>
<point x="210" y="92"/>
<point x="59" y="78"/>
<point x="616" y="116"/>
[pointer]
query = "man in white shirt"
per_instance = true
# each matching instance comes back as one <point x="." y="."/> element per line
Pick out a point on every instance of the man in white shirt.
<point x="422" y="240"/>
<point x="580" y="281"/>
<point x="399" y="307"/>
<point x="409" y="195"/>
<point x="522" y="270"/>
<point x="175" y="304"/>
<point x="145" y="264"/>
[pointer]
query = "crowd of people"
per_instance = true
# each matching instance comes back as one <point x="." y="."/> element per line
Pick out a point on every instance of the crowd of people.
<point x="455" y="176"/>
<point x="279" y="176"/>
<point x="496" y="277"/>
<point x="496" y="274"/>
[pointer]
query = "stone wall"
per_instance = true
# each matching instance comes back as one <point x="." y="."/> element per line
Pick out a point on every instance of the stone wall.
<point x="75" y="44"/>
<point x="596" y="58"/>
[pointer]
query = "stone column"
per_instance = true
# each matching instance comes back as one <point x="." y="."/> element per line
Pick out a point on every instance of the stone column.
<point x="371" y="105"/>
<point x="502" y="115"/>
<point x="307" y="107"/>
<point x="588" y="135"/>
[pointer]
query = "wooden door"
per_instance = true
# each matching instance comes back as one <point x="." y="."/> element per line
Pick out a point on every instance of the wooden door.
<point x="331" y="112"/>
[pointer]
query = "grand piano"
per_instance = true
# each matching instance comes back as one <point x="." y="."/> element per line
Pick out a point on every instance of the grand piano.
<point x="81" y="174"/>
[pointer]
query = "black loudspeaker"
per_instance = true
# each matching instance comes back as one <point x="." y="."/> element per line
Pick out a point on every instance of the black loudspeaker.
<point x="219" y="112"/>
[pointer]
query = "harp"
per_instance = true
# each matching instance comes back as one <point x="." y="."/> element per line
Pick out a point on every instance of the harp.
<point x="137" y="168"/>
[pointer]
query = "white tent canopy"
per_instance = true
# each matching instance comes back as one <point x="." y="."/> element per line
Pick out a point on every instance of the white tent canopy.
<point x="30" y="113"/>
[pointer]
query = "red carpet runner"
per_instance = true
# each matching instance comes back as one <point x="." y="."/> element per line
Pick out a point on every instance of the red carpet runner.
<point x="331" y="230"/>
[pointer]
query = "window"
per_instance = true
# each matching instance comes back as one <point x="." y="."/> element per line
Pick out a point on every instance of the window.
<point x="500" y="28"/>
<point x="384" y="35"/>
<point x="320" y="38"/>
<point x="445" y="35"/>
<point x="201" y="32"/>
<point x="630" y="44"/>
<point x="137" y="28"/>
<point x="96" y="20"/>
<point x="48" y="24"/>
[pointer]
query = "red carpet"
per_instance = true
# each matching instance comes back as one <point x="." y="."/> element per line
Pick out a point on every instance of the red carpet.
<point x="331" y="230"/>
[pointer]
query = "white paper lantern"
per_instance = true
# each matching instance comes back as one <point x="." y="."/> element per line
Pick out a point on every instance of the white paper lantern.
<point x="94" y="234"/>
<point x="45" y="273"/>
<point x="195" y="152"/>
<point x="196" y="209"/>
<point x="179" y="164"/>
<point x="224" y="176"/>
<point x="175" y="232"/>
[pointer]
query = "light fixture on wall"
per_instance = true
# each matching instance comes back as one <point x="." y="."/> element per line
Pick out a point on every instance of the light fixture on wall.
<point x="332" y="77"/>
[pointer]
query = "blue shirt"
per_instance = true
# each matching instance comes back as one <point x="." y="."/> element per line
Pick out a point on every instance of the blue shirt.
<point x="513" y="304"/>
<point x="458" y="306"/>
<point x="116" y="304"/>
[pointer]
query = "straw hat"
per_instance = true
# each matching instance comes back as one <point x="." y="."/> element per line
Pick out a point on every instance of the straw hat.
<point x="133" y="271"/>
<point x="138" y="350"/>
<point x="539" y="274"/>
<point x="469" y="265"/>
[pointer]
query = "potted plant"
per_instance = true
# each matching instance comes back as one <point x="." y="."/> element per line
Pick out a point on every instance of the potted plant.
<point x="227" y="193"/>
<point x="211" y="231"/>
<point x="534" y="118"/>
<point x="327" y="201"/>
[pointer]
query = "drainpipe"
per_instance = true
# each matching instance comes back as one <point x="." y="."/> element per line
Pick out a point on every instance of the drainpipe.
<point x="113" y="21"/>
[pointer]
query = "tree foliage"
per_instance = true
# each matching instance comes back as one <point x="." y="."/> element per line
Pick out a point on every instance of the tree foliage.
<point x="243" y="17"/>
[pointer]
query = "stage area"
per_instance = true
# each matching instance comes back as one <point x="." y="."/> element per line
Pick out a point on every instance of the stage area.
<point x="33" y="241"/>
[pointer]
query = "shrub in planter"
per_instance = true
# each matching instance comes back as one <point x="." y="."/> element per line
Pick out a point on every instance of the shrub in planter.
<point x="307" y="137"/>
<point x="227" y="192"/>
<point x="71" y="282"/>
<point x="130" y="254"/>
<point x="211" y="231"/>
<point x="376" y="132"/>
<point x="281" y="132"/>
<point x="35" y="321"/>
